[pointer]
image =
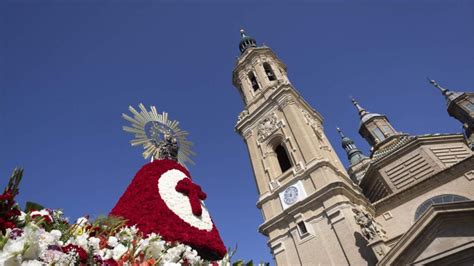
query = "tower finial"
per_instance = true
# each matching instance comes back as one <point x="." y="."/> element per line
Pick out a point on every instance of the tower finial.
<point x="360" y="109"/>
<point x="242" y="33"/>
<point x="340" y="132"/>
<point x="246" y="41"/>
<point x="436" y="85"/>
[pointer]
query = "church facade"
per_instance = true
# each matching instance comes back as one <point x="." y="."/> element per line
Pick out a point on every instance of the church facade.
<point x="409" y="202"/>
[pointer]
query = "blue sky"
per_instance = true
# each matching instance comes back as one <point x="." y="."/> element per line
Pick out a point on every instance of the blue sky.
<point x="69" y="69"/>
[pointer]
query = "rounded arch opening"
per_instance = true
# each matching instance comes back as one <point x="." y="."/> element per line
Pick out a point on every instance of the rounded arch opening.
<point x="283" y="158"/>
<point x="269" y="71"/>
<point x="440" y="199"/>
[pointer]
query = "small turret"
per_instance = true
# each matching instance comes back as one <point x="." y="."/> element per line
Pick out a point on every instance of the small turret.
<point x="460" y="106"/>
<point x="246" y="41"/>
<point x="375" y="128"/>
<point x="353" y="153"/>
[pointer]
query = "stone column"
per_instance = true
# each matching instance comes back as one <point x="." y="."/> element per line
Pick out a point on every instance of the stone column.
<point x="260" y="175"/>
<point x="298" y="130"/>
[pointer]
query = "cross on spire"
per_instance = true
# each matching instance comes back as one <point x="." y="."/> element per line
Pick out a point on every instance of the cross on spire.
<point x="194" y="193"/>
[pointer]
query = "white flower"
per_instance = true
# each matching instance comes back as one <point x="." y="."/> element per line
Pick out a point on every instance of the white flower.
<point x="94" y="243"/>
<point x="21" y="217"/>
<point x="82" y="221"/>
<point x="118" y="251"/>
<point x="56" y="234"/>
<point x="155" y="248"/>
<point x="32" y="263"/>
<point x="82" y="241"/>
<point x="9" y="260"/>
<point x="125" y="234"/>
<point x="105" y="254"/>
<point x="174" y="254"/>
<point x="31" y="238"/>
<point x="191" y="255"/>
<point x="47" y="238"/>
<point x="113" y="241"/>
<point x="42" y="213"/>
<point x="58" y="215"/>
<point x="172" y="264"/>
<point x="12" y="248"/>
<point x="134" y="230"/>
<point x="57" y="257"/>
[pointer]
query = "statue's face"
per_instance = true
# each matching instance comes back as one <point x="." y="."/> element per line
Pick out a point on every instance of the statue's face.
<point x="179" y="203"/>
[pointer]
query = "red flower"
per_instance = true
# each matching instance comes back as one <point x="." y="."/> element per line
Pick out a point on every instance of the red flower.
<point x="12" y="213"/>
<point x="109" y="262"/>
<point x="194" y="193"/>
<point x="7" y="195"/>
<point x="142" y="205"/>
<point x="8" y="225"/>
<point x="46" y="216"/>
<point x="81" y="253"/>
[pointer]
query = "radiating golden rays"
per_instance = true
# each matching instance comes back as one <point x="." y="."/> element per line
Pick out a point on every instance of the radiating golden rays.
<point x="149" y="127"/>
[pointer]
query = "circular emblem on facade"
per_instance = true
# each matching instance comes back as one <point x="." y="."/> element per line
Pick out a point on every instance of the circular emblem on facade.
<point x="291" y="195"/>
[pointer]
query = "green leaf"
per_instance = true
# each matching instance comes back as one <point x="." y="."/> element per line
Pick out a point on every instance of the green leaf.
<point x="238" y="263"/>
<point x="33" y="206"/>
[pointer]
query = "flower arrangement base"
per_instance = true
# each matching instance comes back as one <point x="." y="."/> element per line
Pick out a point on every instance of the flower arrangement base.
<point x="162" y="199"/>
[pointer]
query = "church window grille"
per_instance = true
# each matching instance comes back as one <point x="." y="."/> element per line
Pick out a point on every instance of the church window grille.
<point x="440" y="199"/>
<point x="283" y="158"/>
<point x="253" y="81"/>
<point x="269" y="71"/>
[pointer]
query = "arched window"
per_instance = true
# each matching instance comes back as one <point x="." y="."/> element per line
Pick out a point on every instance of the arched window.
<point x="446" y="198"/>
<point x="283" y="158"/>
<point x="253" y="81"/>
<point x="269" y="71"/>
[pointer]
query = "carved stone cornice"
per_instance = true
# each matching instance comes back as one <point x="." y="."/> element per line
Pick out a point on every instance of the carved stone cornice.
<point x="415" y="143"/>
<point x="242" y="115"/>
<point x="248" y="133"/>
<point x="444" y="176"/>
<point x="322" y="194"/>
<point x="285" y="101"/>
<point x="284" y="89"/>
<point x="300" y="174"/>
<point x="407" y="248"/>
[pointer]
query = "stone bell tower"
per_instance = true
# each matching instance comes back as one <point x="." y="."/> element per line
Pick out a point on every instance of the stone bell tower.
<point x="305" y="195"/>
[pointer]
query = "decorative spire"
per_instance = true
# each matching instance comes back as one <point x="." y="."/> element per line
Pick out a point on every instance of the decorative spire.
<point x="353" y="153"/>
<point x="242" y="33"/>
<point x="449" y="95"/>
<point x="360" y="109"/>
<point x="246" y="41"/>
<point x="436" y="85"/>
<point x="340" y="132"/>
